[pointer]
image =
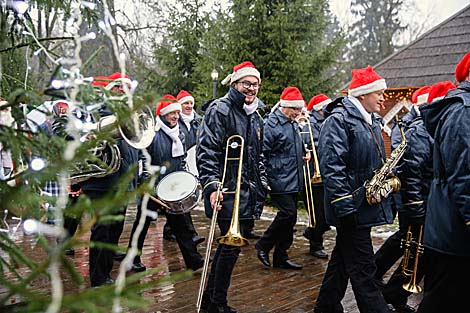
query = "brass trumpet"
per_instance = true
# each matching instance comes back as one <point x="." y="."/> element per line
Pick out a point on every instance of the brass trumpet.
<point x="308" y="179"/>
<point x="411" y="286"/>
<point x="233" y="236"/>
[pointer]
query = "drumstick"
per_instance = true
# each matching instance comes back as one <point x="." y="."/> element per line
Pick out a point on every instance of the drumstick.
<point x="159" y="202"/>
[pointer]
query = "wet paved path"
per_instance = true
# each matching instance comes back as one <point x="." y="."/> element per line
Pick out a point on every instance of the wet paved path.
<point x="253" y="288"/>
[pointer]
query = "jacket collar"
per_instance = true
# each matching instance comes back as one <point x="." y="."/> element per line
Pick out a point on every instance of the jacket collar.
<point x="281" y="117"/>
<point x="236" y="97"/>
<point x="317" y="116"/>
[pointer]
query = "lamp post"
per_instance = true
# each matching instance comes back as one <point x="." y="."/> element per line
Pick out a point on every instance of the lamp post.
<point x="214" y="76"/>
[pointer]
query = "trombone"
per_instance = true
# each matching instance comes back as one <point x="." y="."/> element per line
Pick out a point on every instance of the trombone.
<point x="411" y="286"/>
<point x="233" y="236"/>
<point x="304" y="120"/>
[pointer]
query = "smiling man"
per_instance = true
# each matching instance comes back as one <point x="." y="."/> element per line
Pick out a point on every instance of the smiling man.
<point x="233" y="114"/>
<point x="350" y="149"/>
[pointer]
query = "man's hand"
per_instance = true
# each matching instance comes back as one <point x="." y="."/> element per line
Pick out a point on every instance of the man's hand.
<point x="307" y="157"/>
<point x="213" y="200"/>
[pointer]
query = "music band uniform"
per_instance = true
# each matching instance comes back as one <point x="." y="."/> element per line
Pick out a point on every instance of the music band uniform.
<point x="350" y="149"/>
<point x="283" y="150"/>
<point x="162" y="152"/>
<point x="224" y="117"/>
<point x="415" y="172"/>
<point x="315" y="234"/>
<point x="447" y="226"/>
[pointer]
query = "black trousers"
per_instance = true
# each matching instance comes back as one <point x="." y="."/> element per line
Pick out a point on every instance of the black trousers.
<point x="223" y="263"/>
<point x="167" y="231"/>
<point x="280" y="234"/>
<point x="315" y="234"/>
<point x="179" y="225"/>
<point x="101" y="259"/>
<point x="445" y="283"/>
<point x="352" y="258"/>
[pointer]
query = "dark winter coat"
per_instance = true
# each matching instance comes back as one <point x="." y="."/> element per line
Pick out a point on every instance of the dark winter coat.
<point x="190" y="135"/>
<point x="349" y="154"/>
<point x="415" y="167"/>
<point x="447" y="227"/>
<point x="223" y="118"/>
<point x="283" y="150"/>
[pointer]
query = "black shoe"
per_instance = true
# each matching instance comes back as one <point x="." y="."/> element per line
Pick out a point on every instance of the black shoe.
<point x="205" y="302"/>
<point x="70" y="252"/>
<point x="197" y="239"/>
<point x="252" y="235"/>
<point x="287" y="264"/>
<point x="109" y="281"/>
<point x="138" y="267"/>
<point x="403" y="308"/>
<point x="263" y="257"/>
<point x="321" y="254"/>
<point x="169" y="237"/>
<point x="119" y="256"/>
<point x="220" y="308"/>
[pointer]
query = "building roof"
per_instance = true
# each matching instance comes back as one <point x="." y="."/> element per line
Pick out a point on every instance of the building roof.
<point x="430" y="58"/>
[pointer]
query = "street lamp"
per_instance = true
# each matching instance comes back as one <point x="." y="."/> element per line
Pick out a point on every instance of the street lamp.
<point x="214" y="76"/>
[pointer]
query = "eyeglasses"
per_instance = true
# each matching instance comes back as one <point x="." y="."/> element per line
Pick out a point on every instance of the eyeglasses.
<point x="246" y="84"/>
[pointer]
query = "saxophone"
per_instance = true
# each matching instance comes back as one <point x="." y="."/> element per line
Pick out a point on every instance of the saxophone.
<point x="381" y="185"/>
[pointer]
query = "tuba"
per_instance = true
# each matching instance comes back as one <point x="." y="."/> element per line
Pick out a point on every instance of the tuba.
<point x="381" y="185"/>
<point x="138" y="134"/>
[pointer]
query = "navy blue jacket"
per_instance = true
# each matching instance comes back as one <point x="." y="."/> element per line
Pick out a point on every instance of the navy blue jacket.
<point x="415" y="167"/>
<point x="349" y="154"/>
<point x="223" y="118"/>
<point x="191" y="134"/>
<point x="160" y="151"/>
<point x="283" y="150"/>
<point x="447" y="227"/>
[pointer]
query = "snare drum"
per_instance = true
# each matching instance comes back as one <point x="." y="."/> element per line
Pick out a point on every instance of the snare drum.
<point x="181" y="192"/>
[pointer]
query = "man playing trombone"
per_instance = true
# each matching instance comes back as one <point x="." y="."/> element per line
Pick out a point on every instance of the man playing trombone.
<point x="233" y="114"/>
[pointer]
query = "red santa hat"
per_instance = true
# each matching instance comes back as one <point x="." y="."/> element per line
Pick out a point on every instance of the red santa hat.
<point x="242" y="70"/>
<point x="365" y="81"/>
<point x="291" y="98"/>
<point x="421" y="95"/>
<point x="167" y="105"/>
<point x="60" y="107"/>
<point x="439" y="90"/>
<point x="100" y="81"/>
<point x="318" y="102"/>
<point x="184" y="96"/>
<point x="3" y="101"/>
<point x="463" y="68"/>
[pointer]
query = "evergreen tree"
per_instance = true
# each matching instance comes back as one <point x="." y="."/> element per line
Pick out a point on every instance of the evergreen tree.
<point x="371" y="36"/>
<point x="284" y="39"/>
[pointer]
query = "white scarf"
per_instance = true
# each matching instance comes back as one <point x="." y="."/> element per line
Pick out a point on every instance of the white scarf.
<point x="250" y="108"/>
<point x="187" y="119"/>
<point x="177" y="148"/>
<point x="366" y="115"/>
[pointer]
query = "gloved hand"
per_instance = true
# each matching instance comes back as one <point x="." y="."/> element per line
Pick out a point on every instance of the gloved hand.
<point x="348" y="222"/>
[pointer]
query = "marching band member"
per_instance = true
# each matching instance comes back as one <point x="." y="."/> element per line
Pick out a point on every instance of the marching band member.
<point x="283" y="150"/>
<point x="315" y="234"/>
<point x="101" y="259"/>
<point x="235" y="113"/>
<point x="351" y="148"/>
<point x="447" y="226"/>
<point x="167" y="149"/>
<point x="414" y="172"/>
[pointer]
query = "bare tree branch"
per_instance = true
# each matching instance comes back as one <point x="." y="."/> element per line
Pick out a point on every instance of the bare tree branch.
<point x="32" y="42"/>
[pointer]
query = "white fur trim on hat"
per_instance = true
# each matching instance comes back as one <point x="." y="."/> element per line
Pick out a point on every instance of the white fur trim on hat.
<point x="438" y="98"/>
<point x="365" y="89"/>
<point x="170" y="108"/>
<point x="243" y="72"/>
<point x="321" y="105"/>
<point x="292" y="103"/>
<point x="422" y="99"/>
<point x="186" y="99"/>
